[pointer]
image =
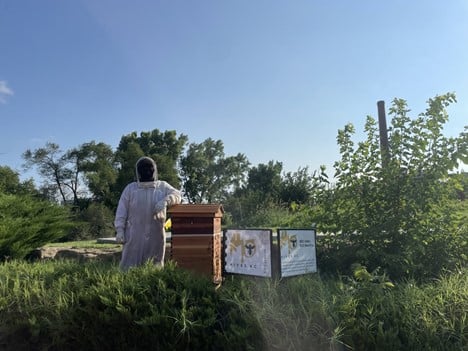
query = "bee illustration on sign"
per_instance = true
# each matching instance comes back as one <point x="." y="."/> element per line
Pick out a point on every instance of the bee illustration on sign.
<point x="289" y="240"/>
<point x="248" y="247"/>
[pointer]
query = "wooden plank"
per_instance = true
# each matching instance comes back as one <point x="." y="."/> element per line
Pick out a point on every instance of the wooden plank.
<point x="196" y="210"/>
<point x="191" y="247"/>
<point x="194" y="225"/>
<point x="187" y="245"/>
<point x="207" y="268"/>
<point x="193" y="261"/>
<point x="196" y="267"/>
<point x="207" y="250"/>
<point x="195" y="240"/>
<point x="181" y="255"/>
<point x="193" y="220"/>
<point x="196" y="246"/>
<point x="196" y="235"/>
<point x="205" y="260"/>
<point x="184" y="255"/>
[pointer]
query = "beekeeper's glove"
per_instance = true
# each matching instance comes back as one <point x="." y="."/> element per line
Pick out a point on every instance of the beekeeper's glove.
<point x="161" y="215"/>
<point x="172" y="200"/>
<point x="160" y="206"/>
<point x="120" y="237"/>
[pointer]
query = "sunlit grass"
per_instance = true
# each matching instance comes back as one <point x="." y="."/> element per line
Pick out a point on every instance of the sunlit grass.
<point x="85" y="305"/>
<point x="84" y="244"/>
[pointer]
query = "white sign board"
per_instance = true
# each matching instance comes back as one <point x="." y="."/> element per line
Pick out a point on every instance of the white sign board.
<point x="248" y="251"/>
<point x="297" y="251"/>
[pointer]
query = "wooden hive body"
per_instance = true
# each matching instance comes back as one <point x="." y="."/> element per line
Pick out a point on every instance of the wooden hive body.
<point x="196" y="238"/>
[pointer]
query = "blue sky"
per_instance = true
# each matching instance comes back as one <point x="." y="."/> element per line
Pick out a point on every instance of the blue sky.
<point x="274" y="80"/>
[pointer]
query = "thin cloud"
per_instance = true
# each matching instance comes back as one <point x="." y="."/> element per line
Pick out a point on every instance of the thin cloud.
<point x="5" y="92"/>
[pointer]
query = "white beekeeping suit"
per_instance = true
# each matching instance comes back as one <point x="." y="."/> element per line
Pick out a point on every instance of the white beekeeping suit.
<point x="140" y="216"/>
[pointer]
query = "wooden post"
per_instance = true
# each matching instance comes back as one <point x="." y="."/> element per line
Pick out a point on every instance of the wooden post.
<point x="384" y="149"/>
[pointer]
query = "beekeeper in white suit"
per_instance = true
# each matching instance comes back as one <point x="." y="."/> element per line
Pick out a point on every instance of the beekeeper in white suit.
<point x="141" y="214"/>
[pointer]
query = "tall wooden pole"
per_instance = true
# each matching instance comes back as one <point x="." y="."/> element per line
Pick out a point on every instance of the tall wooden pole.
<point x="384" y="150"/>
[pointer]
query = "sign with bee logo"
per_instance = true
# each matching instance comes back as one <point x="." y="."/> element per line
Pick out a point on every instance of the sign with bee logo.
<point x="248" y="251"/>
<point x="297" y="251"/>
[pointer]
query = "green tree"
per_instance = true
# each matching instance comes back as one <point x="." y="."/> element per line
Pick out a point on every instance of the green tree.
<point x="208" y="175"/>
<point x="400" y="216"/>
<point x="297" y="187"/>
<point x="59" y="169"/>
<point x="265" y="179"/>
<point x="258" y="202"/>
<point x="10" y="183"/>
<point x="98" y="168"/>
<point x="164" y="147"/>
<point x="126" y="156"/>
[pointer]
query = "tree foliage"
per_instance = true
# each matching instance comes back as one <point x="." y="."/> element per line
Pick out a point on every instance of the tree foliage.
<point x="257" y="202"/>
<point x="164" y="147"/>
<point x="399" y="216"/>
<point x="99" y="170"/>
<point x="208" y="175"/>
<point x="271" y="198"/>
<point x="59" y="169"/>
<point x="10" y="183"/>
<point x="265" y="179"/>
<point x="394" y="212"/>
<point x="297" y="187"/>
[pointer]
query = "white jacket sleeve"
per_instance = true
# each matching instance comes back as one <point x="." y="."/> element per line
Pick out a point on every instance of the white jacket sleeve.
<point x="173" y="196"/>
<point x="122" y="211"/>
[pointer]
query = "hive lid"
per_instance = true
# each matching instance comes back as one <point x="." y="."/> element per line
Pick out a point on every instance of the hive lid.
<point x="196" y="210"/>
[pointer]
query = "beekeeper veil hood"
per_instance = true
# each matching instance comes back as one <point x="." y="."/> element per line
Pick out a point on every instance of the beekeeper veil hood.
<point x="146" y="170"/>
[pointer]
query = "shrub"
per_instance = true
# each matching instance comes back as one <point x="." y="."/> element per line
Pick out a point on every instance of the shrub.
<point x="393" y="208"/>
<point x="92" y="221"/>
<point x="27" y="223"/>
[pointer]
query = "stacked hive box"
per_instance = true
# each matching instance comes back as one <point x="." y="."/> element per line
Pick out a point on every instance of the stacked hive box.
<point x="196" y="238"/>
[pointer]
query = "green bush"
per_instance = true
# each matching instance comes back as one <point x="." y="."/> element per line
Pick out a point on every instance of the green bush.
<point x="27" y="223"/>
<point x="92" y="221"/>
<point x="393" y="208"/>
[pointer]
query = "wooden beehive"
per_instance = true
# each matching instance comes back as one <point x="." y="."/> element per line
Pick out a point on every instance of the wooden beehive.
<point x="196" y="238"/>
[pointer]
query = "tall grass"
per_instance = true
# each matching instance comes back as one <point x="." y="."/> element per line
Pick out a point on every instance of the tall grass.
<point x="375" y="314"/>
<point x="66" y="305"/>
<point x="292" y="314"/>
<point x="435" y="315"/>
